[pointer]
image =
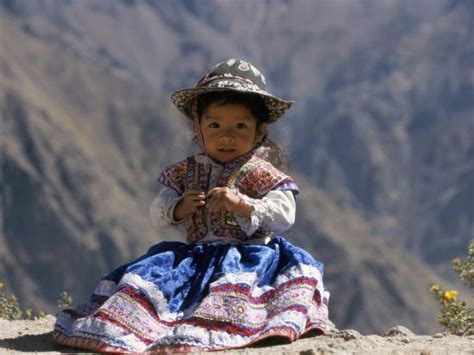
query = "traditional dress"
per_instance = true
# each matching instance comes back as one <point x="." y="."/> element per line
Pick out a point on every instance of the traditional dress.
<point x="229" y="283"/>
<point x="232" y="280"/>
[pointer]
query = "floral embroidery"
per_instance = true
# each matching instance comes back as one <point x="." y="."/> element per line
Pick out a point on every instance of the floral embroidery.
<point x="244" y="66"/>
<point x="174" y="176"/>
<point x="234" y="313"/>
<point x="248" y="174"/>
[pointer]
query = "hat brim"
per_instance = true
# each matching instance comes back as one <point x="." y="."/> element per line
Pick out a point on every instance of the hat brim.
<point x="184" y="98"/>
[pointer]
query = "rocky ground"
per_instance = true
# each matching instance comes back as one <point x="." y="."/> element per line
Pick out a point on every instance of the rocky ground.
<point x="35" y="336"/>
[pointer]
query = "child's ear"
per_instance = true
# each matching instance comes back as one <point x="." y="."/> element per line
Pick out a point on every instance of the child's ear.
<point x="261" y="133"/>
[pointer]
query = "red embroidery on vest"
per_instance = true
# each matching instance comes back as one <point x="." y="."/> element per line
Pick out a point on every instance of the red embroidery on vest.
<point x="249" y="174"/>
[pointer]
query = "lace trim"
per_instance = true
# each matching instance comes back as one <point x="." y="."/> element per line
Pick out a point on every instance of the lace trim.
<point x="162" y="208"/>
<point x="261" y="215"/>
<point x="154" y="294"/>
<point x="274" y="212"/>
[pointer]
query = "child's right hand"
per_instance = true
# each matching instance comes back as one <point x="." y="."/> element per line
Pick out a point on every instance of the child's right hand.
<point x="192" y="200"/>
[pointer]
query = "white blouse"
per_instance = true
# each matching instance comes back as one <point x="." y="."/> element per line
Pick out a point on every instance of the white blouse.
<point x="274" y="212"/>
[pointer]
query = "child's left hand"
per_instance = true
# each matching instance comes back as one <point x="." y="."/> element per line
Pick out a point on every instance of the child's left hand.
<point x="221" y="197"/>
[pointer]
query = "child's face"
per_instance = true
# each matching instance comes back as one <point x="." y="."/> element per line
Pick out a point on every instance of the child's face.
<point x="229" y="130"/>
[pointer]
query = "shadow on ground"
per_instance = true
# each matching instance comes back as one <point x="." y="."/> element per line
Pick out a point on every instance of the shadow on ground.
<point x="277" y="340"/>
<point x="44" y="343"/>
<point x="34" y="343"/>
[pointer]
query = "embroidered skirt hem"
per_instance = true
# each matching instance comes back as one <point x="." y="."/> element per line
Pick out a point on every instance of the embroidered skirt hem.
<point x="195" y="297"/>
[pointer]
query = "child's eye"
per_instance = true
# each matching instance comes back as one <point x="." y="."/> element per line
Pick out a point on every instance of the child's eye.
<point x="241" y="125"/>
<point x="213" y="125"/>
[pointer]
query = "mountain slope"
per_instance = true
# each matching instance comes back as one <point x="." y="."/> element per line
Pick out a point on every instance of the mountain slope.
<point x="381" y="137"/>
<point x="76" y="178"/>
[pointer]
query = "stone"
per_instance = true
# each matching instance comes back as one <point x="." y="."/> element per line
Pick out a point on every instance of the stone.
<point x="398" y="330"/>
<point x="349" y="334"/>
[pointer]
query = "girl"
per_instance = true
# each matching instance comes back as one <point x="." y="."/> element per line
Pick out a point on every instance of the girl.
<point x="231" y="282"/>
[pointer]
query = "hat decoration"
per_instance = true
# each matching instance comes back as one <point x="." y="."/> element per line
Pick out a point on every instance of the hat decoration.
<point x="231" y="75"/>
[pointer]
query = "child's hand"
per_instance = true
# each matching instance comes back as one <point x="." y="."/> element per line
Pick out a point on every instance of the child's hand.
<point x="221" y="197"/>
<point x="192" y="200"/>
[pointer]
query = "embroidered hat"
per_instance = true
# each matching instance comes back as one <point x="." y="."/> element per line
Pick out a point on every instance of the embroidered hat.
<point x="233" y="75"/>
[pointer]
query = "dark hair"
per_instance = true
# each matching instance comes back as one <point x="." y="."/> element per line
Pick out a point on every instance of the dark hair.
<point x="254" y="103"/>
<point x="274" y="153"/>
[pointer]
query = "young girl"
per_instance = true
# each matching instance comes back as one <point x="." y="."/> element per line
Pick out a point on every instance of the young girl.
<point x="231" y="282"/>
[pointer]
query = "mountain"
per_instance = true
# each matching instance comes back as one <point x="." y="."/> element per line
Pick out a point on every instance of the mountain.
<point x="81" y="151"/>
<point x="372" y="283"/>
<point x="381" y="137"/>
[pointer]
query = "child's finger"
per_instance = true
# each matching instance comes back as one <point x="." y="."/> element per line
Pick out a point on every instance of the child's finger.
<point x="214" y="191"/>
<point x="194" y="192"/>
<point x="198" y="196"/>
<point x="199" y="201"/>
<point x="200" y="204"/>
<point x="196" y="203"/>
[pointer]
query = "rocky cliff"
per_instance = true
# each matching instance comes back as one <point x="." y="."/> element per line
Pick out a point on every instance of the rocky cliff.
<point x="381" y="137"/>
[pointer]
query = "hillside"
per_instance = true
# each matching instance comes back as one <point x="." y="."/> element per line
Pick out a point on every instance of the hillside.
<point x="381" y="137"/>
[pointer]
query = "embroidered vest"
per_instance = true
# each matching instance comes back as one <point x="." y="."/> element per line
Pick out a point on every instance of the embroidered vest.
<point x="249" y="174"/>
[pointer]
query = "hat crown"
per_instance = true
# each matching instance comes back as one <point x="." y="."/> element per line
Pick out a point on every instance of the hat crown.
<point x="231" y="75"/>
<point x="235" y="69"/>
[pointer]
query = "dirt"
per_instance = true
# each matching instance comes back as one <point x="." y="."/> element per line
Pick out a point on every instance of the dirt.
<point x="35" y="337"/>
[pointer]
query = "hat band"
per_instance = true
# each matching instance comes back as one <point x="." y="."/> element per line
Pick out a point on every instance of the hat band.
<point x="206" y="79"/>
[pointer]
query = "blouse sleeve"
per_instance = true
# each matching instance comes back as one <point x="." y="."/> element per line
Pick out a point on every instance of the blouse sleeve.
<point x="275" y="212"/>
<point x="162" y="208"/>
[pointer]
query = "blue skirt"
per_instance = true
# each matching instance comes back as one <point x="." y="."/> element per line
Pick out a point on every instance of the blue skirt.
<point x="211" y="296"/>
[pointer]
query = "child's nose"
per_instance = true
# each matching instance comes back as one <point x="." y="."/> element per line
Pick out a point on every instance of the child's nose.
<point x="227" y="138"/>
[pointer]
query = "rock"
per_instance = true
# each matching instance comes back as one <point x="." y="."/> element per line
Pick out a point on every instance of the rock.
<point x="334" y="332"/>
<point x="399" y="330"/>
<point x="349" y="334"/>
<point x="308" y="352"/>
<point x="442" y="335"/>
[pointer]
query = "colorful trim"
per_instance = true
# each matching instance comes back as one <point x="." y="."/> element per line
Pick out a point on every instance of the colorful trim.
<point x="234" y="313"/>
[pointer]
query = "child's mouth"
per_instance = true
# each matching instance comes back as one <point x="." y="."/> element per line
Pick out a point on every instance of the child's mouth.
<point x="226" y="150"/>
